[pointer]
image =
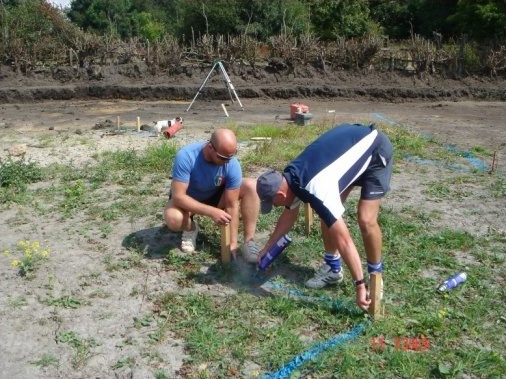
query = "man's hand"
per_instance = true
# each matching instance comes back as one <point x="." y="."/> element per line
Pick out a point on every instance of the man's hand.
<point x="220" y="217"/>
<point x="261" y="253"/>
<point x="362" y="301"/>
<point x="233" y="253"/>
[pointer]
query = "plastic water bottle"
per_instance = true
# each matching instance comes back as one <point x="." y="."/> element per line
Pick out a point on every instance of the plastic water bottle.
<point x="453" y="282"/>
<point x="274" y="251"/>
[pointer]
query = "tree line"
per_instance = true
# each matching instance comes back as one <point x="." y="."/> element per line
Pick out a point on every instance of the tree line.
<point x="35" y="31"/>
<point x="480" y="20"/>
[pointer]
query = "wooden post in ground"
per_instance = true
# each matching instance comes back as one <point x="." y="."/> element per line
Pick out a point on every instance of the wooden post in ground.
<point x="225" y="243"/>
<point x="375" y="295"/>
<point x="138" y="124"/>
<point x="308" y="217"/>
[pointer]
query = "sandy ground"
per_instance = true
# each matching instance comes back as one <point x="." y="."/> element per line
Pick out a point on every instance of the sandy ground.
<point x="53" y="132"/>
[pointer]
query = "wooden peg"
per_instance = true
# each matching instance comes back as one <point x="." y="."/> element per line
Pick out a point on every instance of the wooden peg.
<point x="225" y="243"/>
<point x="375" y="290"/>
<point x="308" y="217"/>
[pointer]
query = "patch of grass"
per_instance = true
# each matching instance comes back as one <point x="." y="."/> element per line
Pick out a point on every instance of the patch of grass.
<point x="46" y="360"/>
<point x="161" y="374"/>
<point x="125" y="261"/>
<point x="125" y="362"/>
<point x="75" y="198"/>
<point x="69" y="301"/>
<point x="82" y="347"/>
<point x="15" y="175"/>
<point x="498" y="187"/>
<point x="154" y="159"/>
<point x="17" y="302"/>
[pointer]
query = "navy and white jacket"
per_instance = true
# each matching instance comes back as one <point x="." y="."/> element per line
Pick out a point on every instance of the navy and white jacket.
<point x="329" y="165"/>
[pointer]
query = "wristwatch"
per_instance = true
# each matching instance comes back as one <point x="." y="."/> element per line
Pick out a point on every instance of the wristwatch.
<point x="359" y="282"/>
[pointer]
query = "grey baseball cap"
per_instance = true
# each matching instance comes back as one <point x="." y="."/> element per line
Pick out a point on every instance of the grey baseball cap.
<point x="267" y="185"/>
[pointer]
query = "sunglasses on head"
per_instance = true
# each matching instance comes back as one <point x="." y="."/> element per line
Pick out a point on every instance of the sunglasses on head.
<point x="221" y="156"/>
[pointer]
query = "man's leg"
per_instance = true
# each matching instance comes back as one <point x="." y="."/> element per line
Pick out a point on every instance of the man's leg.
<point x="175" y="219"/>
<point x="250" y="207"/>
<point x="330" y="272"/>
<point x="367" y="213"/>
<point x="178" y="220"/>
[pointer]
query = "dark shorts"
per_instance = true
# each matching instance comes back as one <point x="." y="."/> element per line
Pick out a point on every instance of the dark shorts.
<point x="213" y="200"/>
<point x="375" y="181"/>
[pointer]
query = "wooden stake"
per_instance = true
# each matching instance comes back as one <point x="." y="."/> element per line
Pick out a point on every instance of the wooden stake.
<point x="308" y="217"/>
<point x="117" y="121"/>
<point x="224" y="109"/>
<point x="494" y="163"/>
<point x="375" y="295"/>
<point x="138" y="124"/>
<point x="225" y="243"/>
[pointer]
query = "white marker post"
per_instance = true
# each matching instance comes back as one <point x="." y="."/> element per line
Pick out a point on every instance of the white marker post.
<point x="224" y="109"/>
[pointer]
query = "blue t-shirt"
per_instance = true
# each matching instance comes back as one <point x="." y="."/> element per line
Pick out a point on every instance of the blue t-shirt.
<point x="204" y="178"/>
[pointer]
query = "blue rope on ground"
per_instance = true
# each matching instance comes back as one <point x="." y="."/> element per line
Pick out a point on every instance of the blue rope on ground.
<point x="338" y="305"/>
<point x="466" y="154"/>
<point x="382" y="117"/>
<point x="451" y="148"/>
<point x="335" y="342"/>
<point x="431" y="162"/>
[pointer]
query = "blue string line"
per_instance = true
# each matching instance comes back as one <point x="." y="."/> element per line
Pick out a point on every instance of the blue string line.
<point x="451" y="148"/>
<point x="382" y="117"/>
<point x="338" y="305"/>
<point x="335" y="342"/>
<point x="466" y="154"/>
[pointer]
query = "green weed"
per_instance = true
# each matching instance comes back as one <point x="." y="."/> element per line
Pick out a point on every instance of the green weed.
<point x="70" y="302"/>
<point x="29" y="257"/>
<point x="46" y="360"/>
<point x="82" y="347"/>
<point x="15" y="176"/>
<point x="126" y="362"/>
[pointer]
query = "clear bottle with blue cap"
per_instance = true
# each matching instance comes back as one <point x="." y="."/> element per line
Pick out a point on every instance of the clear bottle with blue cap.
<point x="453" y="282"/>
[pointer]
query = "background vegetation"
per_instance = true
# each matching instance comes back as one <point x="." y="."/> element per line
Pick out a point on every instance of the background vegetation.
<point x="455" y="37"/>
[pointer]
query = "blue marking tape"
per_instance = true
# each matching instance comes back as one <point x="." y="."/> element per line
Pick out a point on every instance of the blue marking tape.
<point x="334" y="342"/>
<point x="338" y="305"/>
<point x="466" y="154"/>
<point x="451" y="148"/>
<point x="382" y="117"/>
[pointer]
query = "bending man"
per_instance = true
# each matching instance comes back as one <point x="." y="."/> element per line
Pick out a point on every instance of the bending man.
<point x="323" y="175"/>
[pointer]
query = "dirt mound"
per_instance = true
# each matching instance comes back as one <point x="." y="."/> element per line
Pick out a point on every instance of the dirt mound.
<point x="138" y="81"/>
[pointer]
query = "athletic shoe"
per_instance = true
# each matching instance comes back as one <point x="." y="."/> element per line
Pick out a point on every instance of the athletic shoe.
<point x="325" y="277"/>
<point x="250" y="251"/>
<point x="189" y="239"/>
